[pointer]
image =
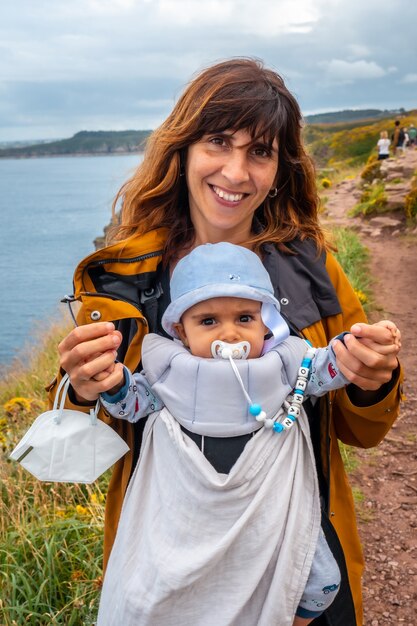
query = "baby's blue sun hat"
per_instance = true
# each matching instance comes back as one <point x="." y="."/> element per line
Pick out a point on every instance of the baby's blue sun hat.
<point x="219" y="270"/>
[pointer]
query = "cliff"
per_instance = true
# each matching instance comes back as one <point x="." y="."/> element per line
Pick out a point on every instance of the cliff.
<point x="84" y="142"/>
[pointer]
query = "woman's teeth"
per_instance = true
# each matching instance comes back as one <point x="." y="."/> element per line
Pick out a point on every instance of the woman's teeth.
<point x="229" y="197"/>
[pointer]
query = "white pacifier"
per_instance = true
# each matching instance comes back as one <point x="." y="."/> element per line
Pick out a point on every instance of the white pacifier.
<point x="224" y="350"/>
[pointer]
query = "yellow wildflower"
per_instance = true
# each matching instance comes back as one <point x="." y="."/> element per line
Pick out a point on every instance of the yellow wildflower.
<point x="96" y="498"/>
<point x="81" y="510"/>
<point x="363" y="298"/>
<point x="326" y="183"/>
<point x="16" y="405"/>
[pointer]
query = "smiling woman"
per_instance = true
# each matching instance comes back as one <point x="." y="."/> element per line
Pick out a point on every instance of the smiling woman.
<point x="228" y="164"/>
<point x="228" y="176"/>
<point x="240" y="122"/>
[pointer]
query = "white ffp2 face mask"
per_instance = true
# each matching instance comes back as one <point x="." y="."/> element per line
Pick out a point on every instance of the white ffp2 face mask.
<point x="64" y="445"/>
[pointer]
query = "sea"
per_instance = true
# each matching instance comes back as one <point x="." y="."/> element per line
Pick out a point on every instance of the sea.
<point x="51" y="211"/>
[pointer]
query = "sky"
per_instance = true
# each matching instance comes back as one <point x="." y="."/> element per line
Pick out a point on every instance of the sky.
<point x="71" y="65"/>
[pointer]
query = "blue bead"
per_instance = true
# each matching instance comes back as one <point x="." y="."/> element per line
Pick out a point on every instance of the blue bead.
<point x="299" y="391"/>
<point x="277" y="427"/>
<point x="255" y="409"/>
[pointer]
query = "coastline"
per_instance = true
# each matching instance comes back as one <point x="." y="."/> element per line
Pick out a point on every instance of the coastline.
<point x="70" y="154"/>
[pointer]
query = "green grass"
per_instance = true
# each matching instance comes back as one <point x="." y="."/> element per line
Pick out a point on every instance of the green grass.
<point x="349" y="457"/>
<point x="364" y="513"/>
<point x="50" y="534"/>
<point x="51" y="572"/>
<point x="354" y="258"/>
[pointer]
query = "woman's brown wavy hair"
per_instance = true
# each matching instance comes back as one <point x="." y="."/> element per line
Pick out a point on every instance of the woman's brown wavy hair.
<point x="235" y="94"/>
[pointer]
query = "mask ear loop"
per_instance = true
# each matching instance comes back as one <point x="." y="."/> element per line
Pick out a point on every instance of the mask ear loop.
<point x="62" y="391"/>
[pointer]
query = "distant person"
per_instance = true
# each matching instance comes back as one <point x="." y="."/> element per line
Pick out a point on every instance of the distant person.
<point x="383" y="145"/>
<point x="229" y="165"/>
<point x="412" y="135"/>
<point x="397" y="138"/>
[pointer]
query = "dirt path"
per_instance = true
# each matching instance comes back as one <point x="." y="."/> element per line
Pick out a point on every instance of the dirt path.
<point x="387" y="475"/>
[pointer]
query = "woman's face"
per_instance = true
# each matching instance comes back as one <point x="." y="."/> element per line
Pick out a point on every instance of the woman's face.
<point x="228" y="177"/>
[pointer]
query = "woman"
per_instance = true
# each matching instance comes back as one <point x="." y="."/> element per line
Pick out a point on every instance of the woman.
<point x="229" y="165"/>
<point x="383" y="145"/>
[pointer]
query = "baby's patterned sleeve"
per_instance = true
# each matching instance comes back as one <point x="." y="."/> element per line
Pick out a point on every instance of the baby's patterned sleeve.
<point x="325" y="375"/>
<point x="134" y="400"/>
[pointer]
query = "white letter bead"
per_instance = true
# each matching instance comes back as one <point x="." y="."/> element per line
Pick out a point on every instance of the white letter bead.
<point x="303" y="371"/>
<point x="294" y="410"/>
<point x="298" y="399"/>
<point x="301" y="384"/>
<point x="287" y="423"/>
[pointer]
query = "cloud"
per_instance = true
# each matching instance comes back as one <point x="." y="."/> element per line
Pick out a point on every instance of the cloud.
<point x="116" y="63"/>
<point x="263" y="18"/>
<point x="111" y="6"/>
<point x="410" y="78"/>
<point x="359" y="50"/>
<point x="340" y="71"/>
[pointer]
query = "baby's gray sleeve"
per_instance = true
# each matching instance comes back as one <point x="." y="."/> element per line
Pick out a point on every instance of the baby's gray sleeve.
<point x="134" y="400"/>
<point x="325" y="375"/>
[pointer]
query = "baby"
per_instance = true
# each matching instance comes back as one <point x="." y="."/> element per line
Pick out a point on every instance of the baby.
<point x="231" y="384"/>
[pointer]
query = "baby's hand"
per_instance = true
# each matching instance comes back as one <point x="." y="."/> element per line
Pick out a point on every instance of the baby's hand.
<point x="395" y="332"/>
<point x="382" y="337"/>
<point x="117" y="379"/>
<point x="368" y="354"/>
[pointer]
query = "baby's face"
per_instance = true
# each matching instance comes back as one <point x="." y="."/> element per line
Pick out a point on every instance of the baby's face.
<point x="225" y="319"/>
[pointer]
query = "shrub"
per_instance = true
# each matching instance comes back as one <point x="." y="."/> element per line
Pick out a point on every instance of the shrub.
<point x="372" y="171"/>
<point x="373" y="200"/>
<point x="410" y="202"/>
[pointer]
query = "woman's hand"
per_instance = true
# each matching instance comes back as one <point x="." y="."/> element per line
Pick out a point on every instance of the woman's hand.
<point x="87" y="354"/>
<point x="368" y="356"/>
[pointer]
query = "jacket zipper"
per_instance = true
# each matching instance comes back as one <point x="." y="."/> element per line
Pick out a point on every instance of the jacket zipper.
<point x="143" y="257"/>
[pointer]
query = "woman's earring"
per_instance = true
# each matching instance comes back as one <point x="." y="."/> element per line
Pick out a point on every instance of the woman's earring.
<point x="182" y="169"/>
<point x="273" y="193"/>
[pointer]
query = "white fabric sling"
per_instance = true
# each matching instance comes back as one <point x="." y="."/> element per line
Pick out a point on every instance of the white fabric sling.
<point x="198" y="548"/>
